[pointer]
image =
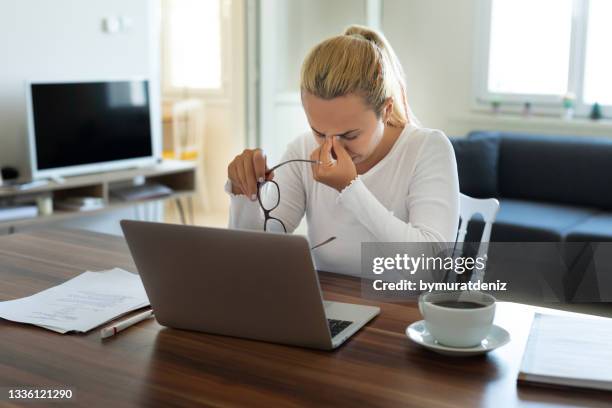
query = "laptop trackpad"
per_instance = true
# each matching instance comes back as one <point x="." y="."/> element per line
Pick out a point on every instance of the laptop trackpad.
<point x="349" y="311"/>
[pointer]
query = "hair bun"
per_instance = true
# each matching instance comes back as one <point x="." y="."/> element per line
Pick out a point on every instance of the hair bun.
<point x="364" y="33"/>
<point x="358" y="35"/>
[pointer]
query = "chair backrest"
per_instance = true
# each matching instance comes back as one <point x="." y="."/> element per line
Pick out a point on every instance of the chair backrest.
<point x="468" y="208"/>
<point x="188" y="128"/>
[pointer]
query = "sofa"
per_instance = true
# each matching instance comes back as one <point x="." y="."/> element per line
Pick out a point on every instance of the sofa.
<point x="550" y="188"/>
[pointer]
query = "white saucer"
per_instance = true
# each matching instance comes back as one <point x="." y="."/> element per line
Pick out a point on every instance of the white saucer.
<point x="497" y="337"/>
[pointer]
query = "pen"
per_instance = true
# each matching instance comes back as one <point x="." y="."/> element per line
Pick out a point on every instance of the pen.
<point x="115" y="328"/>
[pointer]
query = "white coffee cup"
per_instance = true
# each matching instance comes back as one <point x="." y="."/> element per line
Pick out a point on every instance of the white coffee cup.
<point x="458" y="319"/>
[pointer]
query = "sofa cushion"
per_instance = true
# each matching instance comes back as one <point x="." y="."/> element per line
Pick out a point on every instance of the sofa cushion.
<point x="560" y="169"/>
<point x="477" y="165"/>
<point x="531" y="221"/>
<point x="597" y="228"/>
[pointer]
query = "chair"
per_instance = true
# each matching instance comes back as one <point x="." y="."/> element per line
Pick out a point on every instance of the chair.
<point x="468" y="208"/>
<point x="188" y="141"/>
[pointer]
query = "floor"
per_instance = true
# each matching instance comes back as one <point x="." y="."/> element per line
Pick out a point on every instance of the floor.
<point x="217" y="219"/>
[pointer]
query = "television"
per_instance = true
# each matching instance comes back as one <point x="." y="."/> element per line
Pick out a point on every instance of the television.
<point x="84" y="127"/>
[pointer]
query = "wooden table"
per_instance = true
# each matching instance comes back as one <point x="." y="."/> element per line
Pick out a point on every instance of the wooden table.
<point x="149" y="365"/>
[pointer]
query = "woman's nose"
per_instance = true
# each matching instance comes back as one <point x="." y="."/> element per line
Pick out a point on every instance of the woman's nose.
<point x="341" y="141"/>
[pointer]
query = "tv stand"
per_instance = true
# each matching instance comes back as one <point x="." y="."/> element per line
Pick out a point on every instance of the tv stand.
<point x="180" y="176"/>
<point x="57" y="179"/>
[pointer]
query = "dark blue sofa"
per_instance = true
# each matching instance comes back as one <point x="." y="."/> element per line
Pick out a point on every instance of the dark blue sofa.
<point x="551" y="188"/>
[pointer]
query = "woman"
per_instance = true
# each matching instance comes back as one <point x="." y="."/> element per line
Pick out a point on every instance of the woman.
<point x="375" y="176"/>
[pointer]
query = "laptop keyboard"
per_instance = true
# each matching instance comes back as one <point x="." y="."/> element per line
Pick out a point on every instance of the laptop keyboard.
<point x="336" y="326"/>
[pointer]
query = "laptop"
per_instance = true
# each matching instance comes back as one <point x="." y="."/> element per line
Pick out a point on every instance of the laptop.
<point x="249" y="284"/>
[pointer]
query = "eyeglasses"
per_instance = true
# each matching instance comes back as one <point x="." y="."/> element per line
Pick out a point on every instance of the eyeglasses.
<point x="268" y="195"/>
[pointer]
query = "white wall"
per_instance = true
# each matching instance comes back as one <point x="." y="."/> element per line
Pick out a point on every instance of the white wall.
<point x="288" y="30"/>
<point x="63" y="39"/>
<point x="435" y="41"/>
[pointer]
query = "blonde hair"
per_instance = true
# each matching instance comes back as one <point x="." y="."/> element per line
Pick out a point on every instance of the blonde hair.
<point x="359" y="61"/>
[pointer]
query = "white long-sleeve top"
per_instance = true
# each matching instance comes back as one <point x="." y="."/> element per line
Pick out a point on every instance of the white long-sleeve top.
<point x="411" y="195"/>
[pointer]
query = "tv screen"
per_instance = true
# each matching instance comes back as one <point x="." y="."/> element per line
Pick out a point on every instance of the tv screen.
<point x="76" y="124"/>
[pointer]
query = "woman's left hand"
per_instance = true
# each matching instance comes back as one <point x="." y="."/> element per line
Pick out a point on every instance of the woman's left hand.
<point x="337" y="173"/>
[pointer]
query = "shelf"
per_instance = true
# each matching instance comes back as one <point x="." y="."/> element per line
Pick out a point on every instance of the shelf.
<point x="177" y="175"/>
<point x="166" y="167"/>
<point x="63" y="215"/>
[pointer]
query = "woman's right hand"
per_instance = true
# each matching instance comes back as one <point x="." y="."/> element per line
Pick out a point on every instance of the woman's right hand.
<point x="246" y="170"/>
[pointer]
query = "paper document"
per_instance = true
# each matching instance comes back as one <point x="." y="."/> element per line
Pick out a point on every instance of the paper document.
<point x="81" y="303"/>
<point x="569" y="351"/>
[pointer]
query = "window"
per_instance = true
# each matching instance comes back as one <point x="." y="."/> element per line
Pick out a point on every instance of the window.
<point x="540" y="50"/>
<point x="193" y="38"/>
<point x="517" y="63"/>
<point x="598" y="66"/>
